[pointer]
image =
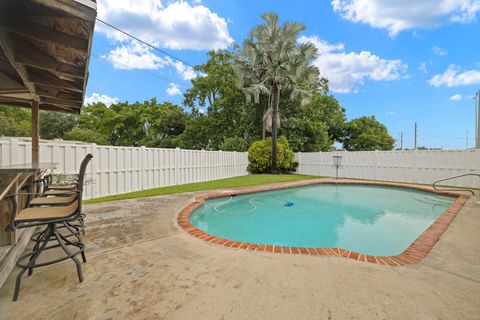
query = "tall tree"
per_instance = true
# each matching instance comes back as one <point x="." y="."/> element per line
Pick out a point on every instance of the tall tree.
<point x="367" y="134"/>
<point x="85" y="135"/>
<point x="219" y="110"/>
<point x="271" y="60"/>
<point x="54" y="125"/>
<point x="166" y="122"/>
<point x="314" y="126"/>
<point x="149" y="123"/>
<point x="15" y="122"/>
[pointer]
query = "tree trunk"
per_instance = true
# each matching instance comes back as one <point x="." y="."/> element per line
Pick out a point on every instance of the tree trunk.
<point x="264" y="130"/>
<point x="264" y="119"/>
<point x="275" y="98"/>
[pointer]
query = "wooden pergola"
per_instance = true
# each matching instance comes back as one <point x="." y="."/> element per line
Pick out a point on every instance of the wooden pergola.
<point x="45" y="49"/>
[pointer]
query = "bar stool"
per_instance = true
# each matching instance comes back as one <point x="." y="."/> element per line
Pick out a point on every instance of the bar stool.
<point x="49" y="217"/>
<point x="56" y="207"/>
<point x="57" y="194"/>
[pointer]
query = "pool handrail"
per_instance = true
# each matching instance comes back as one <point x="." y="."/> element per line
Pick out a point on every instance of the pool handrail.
<point x="455" y="177"/>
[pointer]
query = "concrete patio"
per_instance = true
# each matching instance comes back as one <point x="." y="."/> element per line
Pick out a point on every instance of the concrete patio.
<point x="142" y="265"/>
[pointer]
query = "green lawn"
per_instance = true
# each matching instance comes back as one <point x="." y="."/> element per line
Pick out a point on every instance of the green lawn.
<point x="250" y="180"/>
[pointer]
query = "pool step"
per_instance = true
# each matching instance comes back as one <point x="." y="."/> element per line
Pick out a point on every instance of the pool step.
<point x="433" y="200"/>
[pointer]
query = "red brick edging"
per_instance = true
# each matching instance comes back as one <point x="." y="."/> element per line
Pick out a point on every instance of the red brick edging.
<point x="413" y="254"/>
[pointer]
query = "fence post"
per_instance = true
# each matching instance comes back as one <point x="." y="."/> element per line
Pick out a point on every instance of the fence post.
<point x="235" y="171"/>
<point x="299" y="162"/>
<point x="13" y="151"/>
<point x="143" y="152"/>
<point x="93" y="168"/>
<point x="177" y="166"/>
<point x="222" y="165"/>
<point x="203" y="169"/>
<point x="414" y="165"/>
<point x="319" y="163"/>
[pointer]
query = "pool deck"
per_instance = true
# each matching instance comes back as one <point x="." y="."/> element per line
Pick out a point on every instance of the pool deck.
<point x="142" y="265"/>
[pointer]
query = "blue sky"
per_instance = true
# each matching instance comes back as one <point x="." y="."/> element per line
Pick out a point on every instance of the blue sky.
<point x="402" y="61"/>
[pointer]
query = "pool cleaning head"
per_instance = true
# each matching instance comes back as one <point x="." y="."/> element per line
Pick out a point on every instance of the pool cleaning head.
<point x="288" y="204"/>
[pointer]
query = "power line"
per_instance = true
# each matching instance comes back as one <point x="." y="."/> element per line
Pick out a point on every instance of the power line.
<point x="145" y="43"/>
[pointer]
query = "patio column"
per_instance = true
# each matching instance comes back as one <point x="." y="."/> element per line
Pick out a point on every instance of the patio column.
<point x="35" y="133"/>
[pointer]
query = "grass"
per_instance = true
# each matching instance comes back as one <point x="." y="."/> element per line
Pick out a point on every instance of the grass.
<point x="249" y="180"/>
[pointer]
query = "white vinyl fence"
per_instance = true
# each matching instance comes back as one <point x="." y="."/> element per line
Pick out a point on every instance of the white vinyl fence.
<point x="416" y="166"/>
<point x="116" y="170"/>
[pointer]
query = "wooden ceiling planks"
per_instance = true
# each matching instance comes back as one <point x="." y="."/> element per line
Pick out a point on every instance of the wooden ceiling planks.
<point x="45" y="49"/>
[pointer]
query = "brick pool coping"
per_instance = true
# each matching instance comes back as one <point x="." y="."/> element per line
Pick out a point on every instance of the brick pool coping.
<point x="413" y="254"/>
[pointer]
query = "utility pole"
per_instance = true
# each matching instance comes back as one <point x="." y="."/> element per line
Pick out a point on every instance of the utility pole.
<point x="401" y="140"/>
<point x="415" y="137"/>
<point x="477" y="122"/>
<point x="466" y="147"/>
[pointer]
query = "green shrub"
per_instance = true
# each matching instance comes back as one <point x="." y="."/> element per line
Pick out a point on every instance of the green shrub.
<point x="260" y="155"/>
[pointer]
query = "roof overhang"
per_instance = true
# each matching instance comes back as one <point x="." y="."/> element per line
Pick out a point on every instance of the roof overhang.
<point x="45" y="49"/>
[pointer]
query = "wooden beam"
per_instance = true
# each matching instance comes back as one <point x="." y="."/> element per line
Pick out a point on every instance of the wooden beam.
<point x="9" y="83"/>
<point x="30" y="9"/>
<point x="87" y="63"/>
<point x="15" y="101"/>
<point x="7" y="46"/>
<point x="57" y="108"/>
<point x="84" y="9"/>
<point x="35" y="133"/>
<point x="53" y="92"/>
<point x="45" y="77"/>
<point x="26" y="42"/>
<point x="40" y="32"/>
<point x="61" y="102"/>
<point x="41" y="106"/>
<point x="7" y="68"/>
<point x="28" y="54"/>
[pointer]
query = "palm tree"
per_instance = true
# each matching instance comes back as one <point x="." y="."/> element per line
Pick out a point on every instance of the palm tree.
<point x="271" y="60"/>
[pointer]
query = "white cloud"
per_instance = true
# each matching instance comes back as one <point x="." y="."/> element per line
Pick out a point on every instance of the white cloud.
<point x="322" y="45"/>
<point x="139" y="56"/>
<point x="103" y="98"/>
<point x="456" y="97"/>
<point x="454" y="76"/>
<point x="423" y="67"/>
<point x="347" y="70"/>
<point x="186" y="72"/>
<point x="135" y="56"/>
<point x="439" y="51"/>
<point x="397" y="16"/>
<point x="174" y="25"/>
<point x="173" y="89"/>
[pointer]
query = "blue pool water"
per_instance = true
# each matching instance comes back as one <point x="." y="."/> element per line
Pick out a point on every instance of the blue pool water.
<point x="367" y="219"/>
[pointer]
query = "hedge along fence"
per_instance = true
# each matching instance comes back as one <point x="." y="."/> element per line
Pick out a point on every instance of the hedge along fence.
<point x="414" y="166"/>
<point x="116" y="170"/>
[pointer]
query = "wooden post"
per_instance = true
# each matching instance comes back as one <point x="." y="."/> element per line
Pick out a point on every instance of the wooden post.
<point x="35" y="133"/>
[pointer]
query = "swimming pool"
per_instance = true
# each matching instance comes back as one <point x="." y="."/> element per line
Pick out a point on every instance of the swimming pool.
<point x="365" y="219"/>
